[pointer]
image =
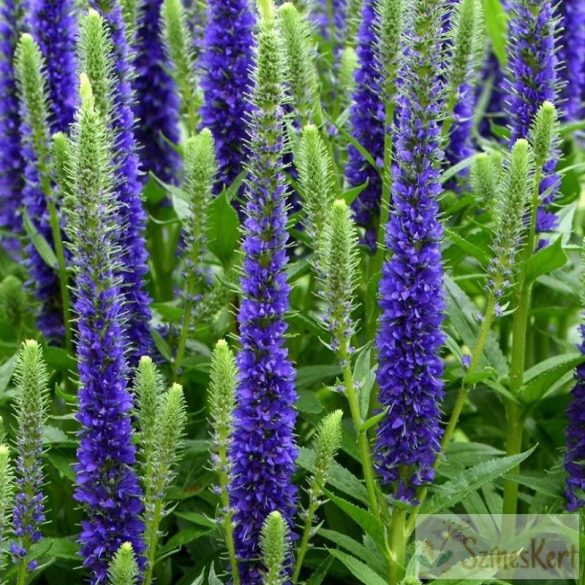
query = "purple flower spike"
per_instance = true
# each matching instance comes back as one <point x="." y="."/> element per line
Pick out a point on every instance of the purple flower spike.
<point x="367" y="120"/>
<point x="575" y="456"/>
<point x="53" y="25"/>
<point x="157" y="102"/>
<point x="107" y="484"/>
<point x="573" y="56"/>
<point x="226" y="62"/>
<point x="532" y="80"/>
<point x="411" y="290"/>
<point x="11" y="160"/>
<point x="132" y="217"/>
<point x="263" y="450"/>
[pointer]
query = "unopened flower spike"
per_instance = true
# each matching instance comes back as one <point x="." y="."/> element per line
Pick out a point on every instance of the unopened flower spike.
<point x="510" y="209"/>
<point x="13" y="304"/>
<point x="104" y="38"/>
<point x="348" y="63"/>
<point x="299" y="62"/>
<point x="275" y="545"/>
<point x="53" y="25"/>
<point x="411" y="290"/>
<point x="37" y="192"/>
<point x="317" y="182"/>
<point x="389" y="31"/>
<point x="544" y="134"/>
<point x="179" y="47"/>
<point x="485" y="177"/>
<point x="61" y="161"/>
<point x="226" y="61"/>
<point x="156" y="102"/>
<point x="222" y="402"/>
<point x="325" y="446"/>
<point x="123" y="569"/>
<point x="339" y="273"/>
<point x="368" y="126"/>
<point x="170" y="421"/>
<point x="11" y="157"/>
<point x="264" y="451"/>
<point x="467" y="41"/>
<point x="30" y="410"/>
<point x="107" y="484"/>
<point x="147" y="387"/>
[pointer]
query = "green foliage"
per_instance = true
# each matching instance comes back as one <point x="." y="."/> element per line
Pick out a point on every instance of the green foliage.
<point x="6" y="496"/>
<point x="13" y="303"/>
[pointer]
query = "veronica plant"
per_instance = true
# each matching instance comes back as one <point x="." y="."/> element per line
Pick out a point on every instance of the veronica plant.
<point x="31" y="405"/>
<point x="123" y="568"/>
<point x="275" y="544"/>
<point x="263" y="451"/>
<point x="50" y="278"/>
<point x="181" y="55"/>
<point x="156" y="101"/>
<point x="11" y="159"/>
<point x="107" y="484"/>
<point x="226" y="62"/>
<point x="104" y="55"/>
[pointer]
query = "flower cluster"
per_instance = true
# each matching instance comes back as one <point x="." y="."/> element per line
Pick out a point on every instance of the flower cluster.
<point x="226" y="62"/>
<point x="411" y="297"/>
<point x="11" y="157"/>
<point x="367" y="120"/>
<point x="53" y="25"/>
<point x="128" y="189"/>
<point x="157" y="102"/>
<point x="107" y="485"/>
<point x="263" y="450"/>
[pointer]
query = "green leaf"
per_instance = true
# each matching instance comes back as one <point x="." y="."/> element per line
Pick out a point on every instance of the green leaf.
<point x="546" y="260"/>
<point x="358" y="569"/>
<point x="362" y="517"/>
<point x="41" y="245"/>
<point x="539" y="379"/>
<point x="319" y="575"/>
<point x="223" y="229"/>
<point x="185" y="536"/>
<point x="6" y="371"/>
<point x="463" y="314"/>
<point x="374" y="420"/>
<point x="467" y="246"/>
<point x="308" y="402"/>
<point x="365" y="375"/>
<point x="162" y="345"/>
<point x="352" y="194"/>
<point x="469" y="480"/>
<point x="496" y="21"/>
<point x="339" y="477"/>
<point x="349" y="544"/>
<point x="311" y="376"/>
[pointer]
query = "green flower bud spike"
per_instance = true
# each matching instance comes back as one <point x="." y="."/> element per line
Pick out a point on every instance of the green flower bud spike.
<point x="29" y="67"/>
<point x="468" y="40"/>
<point x="275" y="545"/>
<point x="147" y="388"/>
<point x="326" y="445"/>
<point x="510" y="210"/>
<point x="544" y="134"/>
<point x="317" y="183"/>
<point x="347" y="66"/>
<point x="485" y="177"/>
<point x="123" y="569"/>
<point x="200" y="172"/>
<point x="171" y="418"/>
<point x="339" y="274"/>
<point x="62" y="157"/>
<point x="299" y="60"/>
<point x="222" y="401"/>
<point x="179" y="48"/>
<point x="389" y="31"/>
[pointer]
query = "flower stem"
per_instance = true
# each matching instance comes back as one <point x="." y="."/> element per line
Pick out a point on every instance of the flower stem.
<point x="152" y="541"/>
<point x="228" y="525"/>
<point x="304" y="546"/>
<point x="518" y="361"/>
<point x="398" y="546"/>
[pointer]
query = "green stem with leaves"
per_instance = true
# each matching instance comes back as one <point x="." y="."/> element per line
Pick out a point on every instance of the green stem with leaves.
<point x="305" y="539"/>
<point x="515" y="418"/>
